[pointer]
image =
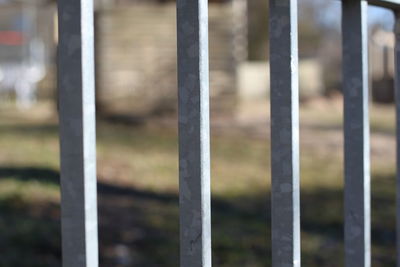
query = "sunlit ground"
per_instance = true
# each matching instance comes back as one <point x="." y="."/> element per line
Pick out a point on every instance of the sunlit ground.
<point x="138" y="197"/>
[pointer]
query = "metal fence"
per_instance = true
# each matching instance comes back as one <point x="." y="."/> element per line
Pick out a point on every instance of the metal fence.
<point x="77" y="127"/>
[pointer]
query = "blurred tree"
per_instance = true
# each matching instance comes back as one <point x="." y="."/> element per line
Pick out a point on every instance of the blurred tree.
<point x="258" y="29"/>
<point x="311" y="29"/>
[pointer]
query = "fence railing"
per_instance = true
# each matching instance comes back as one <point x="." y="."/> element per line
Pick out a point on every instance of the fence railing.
<point x="77" y="132"/>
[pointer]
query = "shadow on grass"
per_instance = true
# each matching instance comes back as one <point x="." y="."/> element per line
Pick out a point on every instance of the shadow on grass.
<point x="140" y="228"/>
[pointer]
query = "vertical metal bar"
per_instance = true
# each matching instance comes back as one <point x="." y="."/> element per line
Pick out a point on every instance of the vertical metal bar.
<point x="194" y="139"/>
<point x="356" y="133"/>
<point x="285" y="133"/>
<point x="77" y="133"/>
<point x="397" y="96"/>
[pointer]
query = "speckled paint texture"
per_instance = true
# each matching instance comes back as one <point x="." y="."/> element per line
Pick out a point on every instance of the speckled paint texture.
<point x="194" y="133"/>
<point x="285" y="134"/>
<point x="356" y="134"/>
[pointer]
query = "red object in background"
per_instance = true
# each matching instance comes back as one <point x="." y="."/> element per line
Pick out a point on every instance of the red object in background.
<point x="11" y="38"/>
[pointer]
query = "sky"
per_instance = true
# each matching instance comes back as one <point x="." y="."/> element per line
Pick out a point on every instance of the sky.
<point x="382" y="16"/>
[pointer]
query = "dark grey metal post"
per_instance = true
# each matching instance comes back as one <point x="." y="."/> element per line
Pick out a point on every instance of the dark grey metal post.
<point x="356" y="134"/>
<point x="285" y="133"/>
<point x="397" y="96"/>
<point x="194" y="139"/>
<point x="77" y="133"/>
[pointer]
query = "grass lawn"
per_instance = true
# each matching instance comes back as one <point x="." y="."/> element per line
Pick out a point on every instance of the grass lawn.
<point x="138" y="198"/>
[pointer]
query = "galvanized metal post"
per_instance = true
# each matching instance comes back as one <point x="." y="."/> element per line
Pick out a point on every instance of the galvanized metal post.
<point x="397" y="96"/>
<point x="356" y="134"/>
<point x="194" y="136"/>
<point x="285" y="133"/>
<point x="77" y="133"/>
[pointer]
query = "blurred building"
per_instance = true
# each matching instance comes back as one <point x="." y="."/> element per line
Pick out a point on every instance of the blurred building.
<point x="136" y="54"/>
<point x="136" y="58"/>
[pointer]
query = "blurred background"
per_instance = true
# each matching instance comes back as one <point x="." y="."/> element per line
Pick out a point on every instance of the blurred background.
<point x="137" y="133"/>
